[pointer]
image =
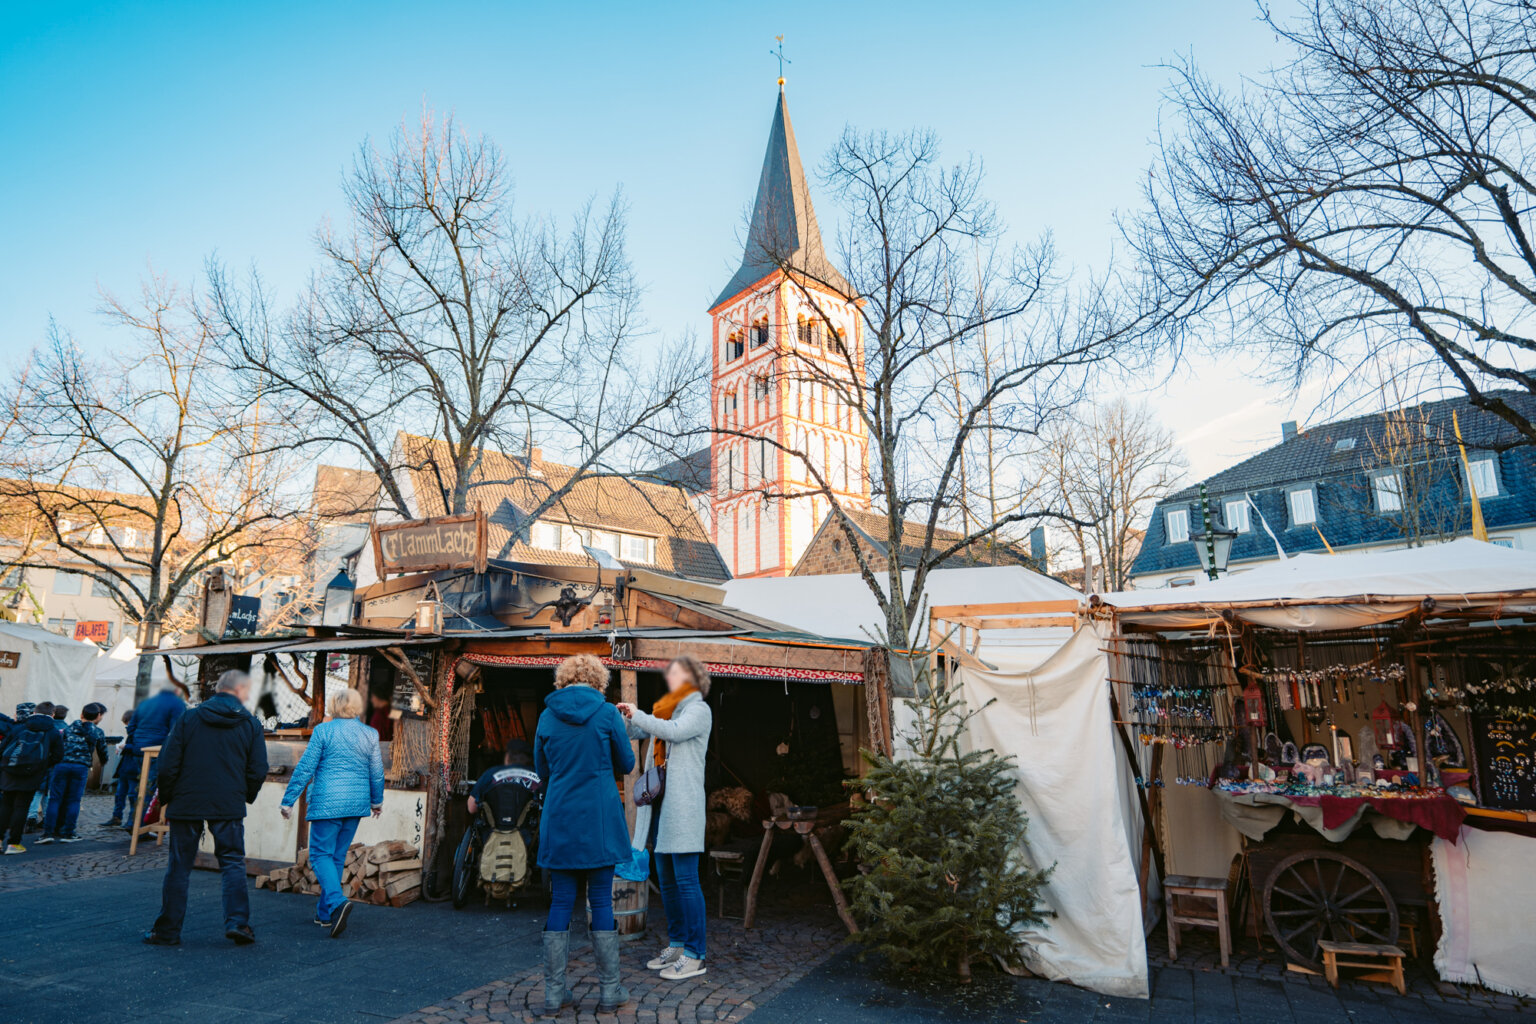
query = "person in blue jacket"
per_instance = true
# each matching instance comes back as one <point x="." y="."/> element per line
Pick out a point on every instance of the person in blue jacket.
<point x="151" y="724"/>
<point x="579" y="748"/>
<point x="344" y="771"/>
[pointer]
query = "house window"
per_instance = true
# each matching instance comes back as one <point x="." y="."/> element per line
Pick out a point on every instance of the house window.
<point x="99" y="588"/>
<point x="835" y="342"/>
<point x="1182" y="581"/>
<point x="66" y="584"/>
<point x="639" y="549"/>
<point x="1235" y="515"/>
<point x="1177" y="522"/>
<point x="1303" y="505"/>
<point x="728" y="469"/>
<point x="760" y="333"/>
<point x="734" y="347"/>
<point x="545" y="535"/>
<point x="1484" y="476"/>
<point x="1389" y="492"/>
<point x="810" y="334"/>
<point x="732" y="403"/>
<point x="760" y="389"/>
<point x="1502" y="542"/>
<point x="65" y="626"/>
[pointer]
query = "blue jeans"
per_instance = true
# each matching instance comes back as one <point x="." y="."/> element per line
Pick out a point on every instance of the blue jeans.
<point x="564" y="886"/>
<point x="127" y="792"/>
<point x="682" y="896"/>
<point x="229" y="847"/>
<point x="328" y="842"/>
<point x="40" y="798"/>
<point x="64" y="792"/>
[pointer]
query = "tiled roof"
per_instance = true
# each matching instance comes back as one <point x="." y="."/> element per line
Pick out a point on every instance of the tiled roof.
<point x="783" y="227"/>
<point x="876" y="529"/>
<point x="1338" y="460"/>
<point x="510" y="487"/>
<point x="691" y="472"/>
<point x="346" y="495"/>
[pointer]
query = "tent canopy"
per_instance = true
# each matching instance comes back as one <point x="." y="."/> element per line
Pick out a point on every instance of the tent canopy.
<point x="842" y="605"/>
<point x="37" y="665"/>
<point x="1347" y="591"/>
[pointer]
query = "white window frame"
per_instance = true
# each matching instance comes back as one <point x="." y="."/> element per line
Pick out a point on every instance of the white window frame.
<point x="1489" y="470"/>
<point x="1240" y="521"/>
<point x="1176" y="523"/>
<point x="1297" y="519"/>
<point x="639" y="549"/>
<point x="59" y="588"/>
<point x="1387" y="488"/>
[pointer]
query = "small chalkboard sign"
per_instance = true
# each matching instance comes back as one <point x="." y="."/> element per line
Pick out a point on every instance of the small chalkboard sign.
<point x="1506" y="761"/>
<point x="405" y="698"/>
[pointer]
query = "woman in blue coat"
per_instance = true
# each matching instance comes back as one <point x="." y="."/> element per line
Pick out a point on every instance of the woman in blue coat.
<point x="344" y="771"/>
<point x="579" y="748"/>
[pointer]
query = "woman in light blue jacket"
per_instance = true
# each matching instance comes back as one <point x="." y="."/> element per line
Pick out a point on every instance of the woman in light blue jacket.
<point x="345" y="774"/>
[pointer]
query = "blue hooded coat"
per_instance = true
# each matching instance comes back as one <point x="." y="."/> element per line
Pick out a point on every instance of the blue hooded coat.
<point x="580" y="745"/>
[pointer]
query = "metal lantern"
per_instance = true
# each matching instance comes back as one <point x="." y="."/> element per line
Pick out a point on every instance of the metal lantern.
<point x="429" y="613"/>
<point x="1384" y="725"/>
<point x="1255" y="716"/>
<point x="336" y="606"/>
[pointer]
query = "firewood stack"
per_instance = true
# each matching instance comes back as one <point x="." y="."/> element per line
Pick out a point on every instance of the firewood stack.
<point x="385" y="874"/>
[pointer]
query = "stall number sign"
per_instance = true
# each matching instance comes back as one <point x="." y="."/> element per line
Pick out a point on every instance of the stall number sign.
<point x="10" y="659"/>
<point x="95" y="632"/>
<point x="426" y="545"/>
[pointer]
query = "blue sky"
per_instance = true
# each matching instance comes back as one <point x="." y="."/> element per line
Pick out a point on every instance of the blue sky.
<point x="144" y="134"/>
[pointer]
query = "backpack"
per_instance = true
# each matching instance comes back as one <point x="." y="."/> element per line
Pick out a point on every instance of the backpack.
<point x="505" y="858"/>
<point x="28" y="751"/>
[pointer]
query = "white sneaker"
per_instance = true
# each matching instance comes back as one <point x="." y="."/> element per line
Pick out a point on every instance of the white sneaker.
<point x="668" y="956"/>
<point x="683" y="967"/>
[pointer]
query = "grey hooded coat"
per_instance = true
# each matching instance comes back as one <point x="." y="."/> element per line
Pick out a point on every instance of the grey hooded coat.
<point x="686" y="735"/>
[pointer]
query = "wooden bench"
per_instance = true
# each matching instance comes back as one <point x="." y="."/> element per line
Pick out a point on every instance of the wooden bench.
<point x="1384" y="962"/>
<point x="1193" y="887"/>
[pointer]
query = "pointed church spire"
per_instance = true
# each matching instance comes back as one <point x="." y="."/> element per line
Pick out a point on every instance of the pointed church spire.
<point x="783" y="227"/>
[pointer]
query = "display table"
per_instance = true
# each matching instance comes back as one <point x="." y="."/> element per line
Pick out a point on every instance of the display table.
<point x="1255" y="808"/>
<point x="806" y="830"/>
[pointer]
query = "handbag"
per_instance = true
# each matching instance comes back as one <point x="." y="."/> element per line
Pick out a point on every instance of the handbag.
<point x="651" y="784"/>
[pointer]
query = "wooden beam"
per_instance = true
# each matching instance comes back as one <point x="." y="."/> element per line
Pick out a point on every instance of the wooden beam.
<point x="629" y="693"/>
<point x="674" y="614"/>
<point x="757" y="655"/>
<point x="955" y="651"/>
<point x="951" y="611"/>
<point x="1028" y="622"/>
<point x="536" y="645"/>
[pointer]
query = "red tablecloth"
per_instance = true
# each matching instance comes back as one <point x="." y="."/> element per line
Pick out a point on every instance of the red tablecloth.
<point x="1441" y="815"/>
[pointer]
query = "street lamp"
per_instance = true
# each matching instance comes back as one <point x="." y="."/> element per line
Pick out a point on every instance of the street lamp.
<point x="336" y="610"/>
<point x="1213" y="543"/>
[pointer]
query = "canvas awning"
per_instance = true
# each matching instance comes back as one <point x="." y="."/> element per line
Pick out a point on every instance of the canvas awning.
<point x="1316" y="592"/>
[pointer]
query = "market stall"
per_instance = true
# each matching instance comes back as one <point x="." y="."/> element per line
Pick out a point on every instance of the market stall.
<point x="1329" y="732"/>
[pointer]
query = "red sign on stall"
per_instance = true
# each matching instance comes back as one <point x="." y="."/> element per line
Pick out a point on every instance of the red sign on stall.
<point x="95" y="632"/>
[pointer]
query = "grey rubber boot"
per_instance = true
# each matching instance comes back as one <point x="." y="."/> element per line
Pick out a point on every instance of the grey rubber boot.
<point x="556" y="996"/>
<point x="611" y="995"/>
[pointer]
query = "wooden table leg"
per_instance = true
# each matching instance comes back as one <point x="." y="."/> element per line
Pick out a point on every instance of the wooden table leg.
<point x="757" y="877"/>
<point x="138" y="806"/>
<point x="832" y="883"/>
<point x="1331" y="968"/>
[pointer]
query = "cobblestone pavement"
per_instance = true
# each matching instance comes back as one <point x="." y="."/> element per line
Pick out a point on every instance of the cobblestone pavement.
<point x="102" y="853"/>
<point x="746" y="969"/>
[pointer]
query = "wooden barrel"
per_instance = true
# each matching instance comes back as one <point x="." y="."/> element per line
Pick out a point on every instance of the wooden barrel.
<point x="629" y="902"/>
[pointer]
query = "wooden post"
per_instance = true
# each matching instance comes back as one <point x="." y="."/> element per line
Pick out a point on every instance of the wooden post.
<point x="150" y="753"/>
<point x="629" y="693"/>
<point x="317" y="675"/>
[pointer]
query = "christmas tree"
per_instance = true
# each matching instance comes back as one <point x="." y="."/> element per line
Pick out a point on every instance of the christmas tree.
<point x="939" y="835"/>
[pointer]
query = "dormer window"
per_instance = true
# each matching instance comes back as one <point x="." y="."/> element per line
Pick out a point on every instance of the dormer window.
<point x="1389" y="491"/>
<point x="1483" y="474"/>
<point x="1303" y="506"/>
<point x="1177" y="523"/>
<point x="1234" y="514"/>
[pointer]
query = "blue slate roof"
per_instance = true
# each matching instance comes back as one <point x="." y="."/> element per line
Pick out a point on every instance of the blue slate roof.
<point x="1340" y="463"/>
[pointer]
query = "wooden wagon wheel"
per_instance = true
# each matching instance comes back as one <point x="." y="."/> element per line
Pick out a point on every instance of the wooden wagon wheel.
<point x="1315" y="895"/>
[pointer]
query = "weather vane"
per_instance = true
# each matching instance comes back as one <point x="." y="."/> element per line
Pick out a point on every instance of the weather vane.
<point x="779" y="53"/>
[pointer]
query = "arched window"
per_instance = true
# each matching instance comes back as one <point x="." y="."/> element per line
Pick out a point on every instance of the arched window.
<point x="733" y="347"/>
<point x="760" y="331"/>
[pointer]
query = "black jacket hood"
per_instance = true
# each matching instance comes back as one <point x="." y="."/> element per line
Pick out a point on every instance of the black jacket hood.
<point x="222" y="711"/>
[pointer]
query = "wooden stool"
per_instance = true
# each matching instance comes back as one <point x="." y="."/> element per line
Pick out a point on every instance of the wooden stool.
<point x="729" y="864"/>
<point x="1196" y="888"/>
<point x="159" y="828"/>
<point x="1384" y="962"/>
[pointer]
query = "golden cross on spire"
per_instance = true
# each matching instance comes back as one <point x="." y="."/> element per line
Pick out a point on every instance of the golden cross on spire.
<point x="779" y="53"/>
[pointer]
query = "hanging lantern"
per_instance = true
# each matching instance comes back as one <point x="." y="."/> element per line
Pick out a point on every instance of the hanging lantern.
<point x="1384" y="725"/>
<point x="429" y="613"/>
<point x="1254" y="714"/>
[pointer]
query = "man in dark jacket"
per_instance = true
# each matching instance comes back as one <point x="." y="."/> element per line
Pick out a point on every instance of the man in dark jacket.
<point x="211" y="766"/>
<point x="31" y="748"/>
<point x="151" y="724"/>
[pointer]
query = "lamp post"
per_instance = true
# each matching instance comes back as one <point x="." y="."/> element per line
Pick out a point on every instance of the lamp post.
<point x="336" y="609"/>
<point x="1212" y="543"/>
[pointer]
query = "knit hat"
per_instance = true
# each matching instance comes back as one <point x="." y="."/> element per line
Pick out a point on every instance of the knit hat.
<point x="24" y="708"/>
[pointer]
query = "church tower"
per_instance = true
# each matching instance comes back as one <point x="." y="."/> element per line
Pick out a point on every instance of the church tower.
<point x="784" y="334"/>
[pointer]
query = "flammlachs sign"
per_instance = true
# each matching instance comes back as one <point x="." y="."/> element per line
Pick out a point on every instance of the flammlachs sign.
<point x="427" y="545"/>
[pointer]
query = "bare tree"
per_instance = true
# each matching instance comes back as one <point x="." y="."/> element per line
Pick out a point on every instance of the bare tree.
<point x="438" y="313"/>
<point x="1107" y="470"/>
<point x="1374" y="194"/>
<point x="963" y="351"/>
<point x="137" y="466"/>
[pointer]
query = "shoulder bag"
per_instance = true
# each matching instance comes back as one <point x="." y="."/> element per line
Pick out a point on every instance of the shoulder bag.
<point x="651" y="784"/>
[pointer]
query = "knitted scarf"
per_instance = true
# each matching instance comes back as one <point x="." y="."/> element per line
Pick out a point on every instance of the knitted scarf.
<point x="663" y="709"/>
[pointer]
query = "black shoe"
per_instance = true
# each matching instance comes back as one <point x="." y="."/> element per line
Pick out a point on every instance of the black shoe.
<point x="322" y="924"/>
<point x="339" y="919"/>
<point x="114" y="821"/>
<point x="242" y="936"/>
<point x="154" y="938"/>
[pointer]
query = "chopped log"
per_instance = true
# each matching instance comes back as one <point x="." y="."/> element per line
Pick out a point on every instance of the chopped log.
<point x="394" y="849"/>
<point x="378" y="897"/>
<point x="409" y="896"/>
<point x="401" y="865"/>
<point x="261" y="882"/>
<point x="410" y="881"/>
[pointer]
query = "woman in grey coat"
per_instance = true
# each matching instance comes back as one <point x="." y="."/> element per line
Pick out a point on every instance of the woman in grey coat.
<point x="673" y="828"/>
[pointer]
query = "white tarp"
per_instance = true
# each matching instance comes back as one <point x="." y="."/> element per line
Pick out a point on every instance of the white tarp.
<point x="116" y="673"/>
<point x="1361" y="588"/>
<point x="1052" y="715"/>
<point x="1485" y="919"/>
<point x="842" y="605"/>
<point x="48" y="667"/>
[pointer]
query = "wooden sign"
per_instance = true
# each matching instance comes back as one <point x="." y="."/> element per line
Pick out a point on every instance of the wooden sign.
<point x="428" y="545"/>
<point x="244" y="616"/>
<point x="10" y="659"/>
<point x="95" y="632"/>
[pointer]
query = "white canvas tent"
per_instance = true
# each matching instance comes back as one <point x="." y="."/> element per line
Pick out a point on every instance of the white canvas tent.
<point x="47" y="666"/>
<point x="116" y="673"/>
<point x="1046" y="706"/>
